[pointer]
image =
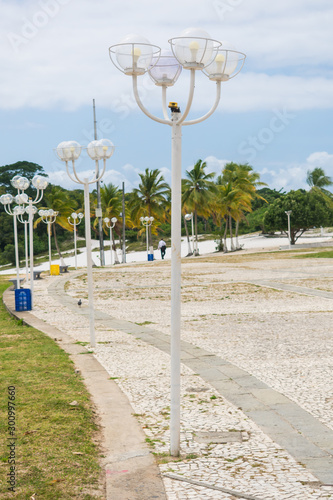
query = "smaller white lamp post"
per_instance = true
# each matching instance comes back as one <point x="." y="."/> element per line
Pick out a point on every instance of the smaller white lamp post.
<point x="147" y="222"/>
<point x="110" y="224"/>
<point x="288" y="212"/>
<point x="69" y="151"/>
<point x="190" y="217"/>
<point x="48" y="217"/>
<point x="77" y="219"/>
<point x="7" y="200"/>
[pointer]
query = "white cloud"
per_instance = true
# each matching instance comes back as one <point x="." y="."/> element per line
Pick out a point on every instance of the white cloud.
<point x="60" y="56"/>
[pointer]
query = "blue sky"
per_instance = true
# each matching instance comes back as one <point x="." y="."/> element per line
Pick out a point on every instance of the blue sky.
<point x="277" y="114"/>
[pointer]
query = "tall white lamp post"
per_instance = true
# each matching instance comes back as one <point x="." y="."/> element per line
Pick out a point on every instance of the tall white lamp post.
<point x="194" y="51"/>
<point x="147" y="222"/>
<point x="190" y="217"/>
<point x="110" y="223"/>
<point x="69" y="151"/>
<point x="75" y="217"/>
<point x="49" y="218"/>
<point x="289" y="212"/>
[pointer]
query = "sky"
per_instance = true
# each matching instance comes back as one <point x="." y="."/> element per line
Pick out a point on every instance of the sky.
<point x="276" y="115"/>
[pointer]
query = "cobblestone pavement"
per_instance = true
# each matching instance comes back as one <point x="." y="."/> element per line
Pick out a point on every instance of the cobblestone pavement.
<point x="236" y="308"/>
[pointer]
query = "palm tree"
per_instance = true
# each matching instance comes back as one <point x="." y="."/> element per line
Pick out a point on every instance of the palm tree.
<point x="197" y="193"/>
<point x="245" y="181"/>
<point x="59" y="200"/>
<point x="317" y="178"/>
<point x="150" y="199"/>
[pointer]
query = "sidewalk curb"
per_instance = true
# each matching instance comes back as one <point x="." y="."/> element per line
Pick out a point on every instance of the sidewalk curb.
<point x="131" y="472"/>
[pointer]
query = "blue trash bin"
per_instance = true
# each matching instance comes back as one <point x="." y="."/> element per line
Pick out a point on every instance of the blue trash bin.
<point x="150" y="256"/>
<point x="23" y="299"/>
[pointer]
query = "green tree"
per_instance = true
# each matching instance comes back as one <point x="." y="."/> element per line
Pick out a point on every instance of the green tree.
<point x="60" y="201"/>
<point x="149" y="199"/>
<point x="198" y="190"/>
<point x="309" y="209"/>
<point x="24" y="169"/>
<point x="111" y="200"/>
<point x="245" y="180"/>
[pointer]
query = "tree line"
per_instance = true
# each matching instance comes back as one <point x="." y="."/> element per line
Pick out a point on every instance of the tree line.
<point x="231" y="203"/>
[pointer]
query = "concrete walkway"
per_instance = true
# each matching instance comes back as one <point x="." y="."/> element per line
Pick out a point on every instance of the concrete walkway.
<point x="130" y="468"/>
<point x="303" y="436"/>
<point x="131" y="472"/>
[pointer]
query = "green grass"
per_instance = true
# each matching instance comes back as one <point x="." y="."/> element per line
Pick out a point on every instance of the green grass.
<point x="326" y="254"/>
<point x="56" y="451"/>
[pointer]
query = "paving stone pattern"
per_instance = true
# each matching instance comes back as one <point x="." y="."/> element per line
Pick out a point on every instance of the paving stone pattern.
<point x="256" y="363"/>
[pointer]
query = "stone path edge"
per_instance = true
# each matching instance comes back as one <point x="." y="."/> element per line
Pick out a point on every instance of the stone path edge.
<point x="130" y="469"/>
<point x="308" y="440"/>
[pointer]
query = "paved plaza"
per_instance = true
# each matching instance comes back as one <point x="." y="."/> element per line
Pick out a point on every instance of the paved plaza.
<point x="257" y="392"/>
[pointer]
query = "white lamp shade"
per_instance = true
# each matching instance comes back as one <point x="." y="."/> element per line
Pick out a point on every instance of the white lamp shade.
<point x="14" y="181"/>
<point x="227" y="63"/>
<point x="114" y="220"/>
<point x="23" y="183"/>
<point x="18" y="210"/>
<point x="6" y="199"/>
<point x="106" y="220"/>
<point x="32" y="209"/>
<point x="41" y="213"/>
<point x="21" y="198"/>
<point x="100" y="150"/>
<point x="68" y="150"/>
<point x="80" y="215"/>
<point x="165" y="70"/>
<point x="188" y="216"/>
<point x="40" y="182"/>
<point x="134" y="54"/>
<point x="74" y="215"/>
<point x="194" y="49"/>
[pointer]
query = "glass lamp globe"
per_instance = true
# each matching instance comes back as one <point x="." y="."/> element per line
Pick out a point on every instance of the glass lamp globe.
<point x="14" y="181"/>
<point x="23" y="183"/>
<point x="134" y="54"/>
<point x="106" y="220"/>
<point x="32" y="210"/>
<point x="194" y="48"/>
<point x="74" y="215"/>
<point x="6" y="199"/>
<point x="21" y="198"/>
<point x="80" y="215"/>
<point x="68" y="150"/>
<point x="41" y="213"/>
<point x="114" y="220"/>
<point x="100" y="150"/>
<point x="18" y="210"/>
<point x="40" y="182"/>
<point x="165" y="70"/>
<point x="227" y="63"/>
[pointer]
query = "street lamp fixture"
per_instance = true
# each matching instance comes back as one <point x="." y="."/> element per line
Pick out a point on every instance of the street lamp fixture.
<point x="289" y="212"/>
<point x="147" y="222"/>
<point x="76" y="217"/>
<point x="48" y="217"/>
<point x="25" y="205"/>
<point x="190" y="217"/>
<point x="110" y="223"/>
<point x="69" y="152"/>
<point x="194" y="50"/>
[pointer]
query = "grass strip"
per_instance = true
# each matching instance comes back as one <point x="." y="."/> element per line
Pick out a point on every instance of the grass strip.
<point x="56" y="450"/>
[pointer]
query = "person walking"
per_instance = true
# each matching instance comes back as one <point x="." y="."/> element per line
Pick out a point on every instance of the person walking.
<point x="162" y="247"/>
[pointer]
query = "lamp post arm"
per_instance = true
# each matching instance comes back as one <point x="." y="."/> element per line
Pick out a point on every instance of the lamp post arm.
<point x="164" y="102"/>
<point x="77" y="180"/>
<point x="141" y="106"/>
<point x="39" y="196"/>
<point x="189" y="100"/>
<point x="211" y="111"/>
<point x="8" y="210"/>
